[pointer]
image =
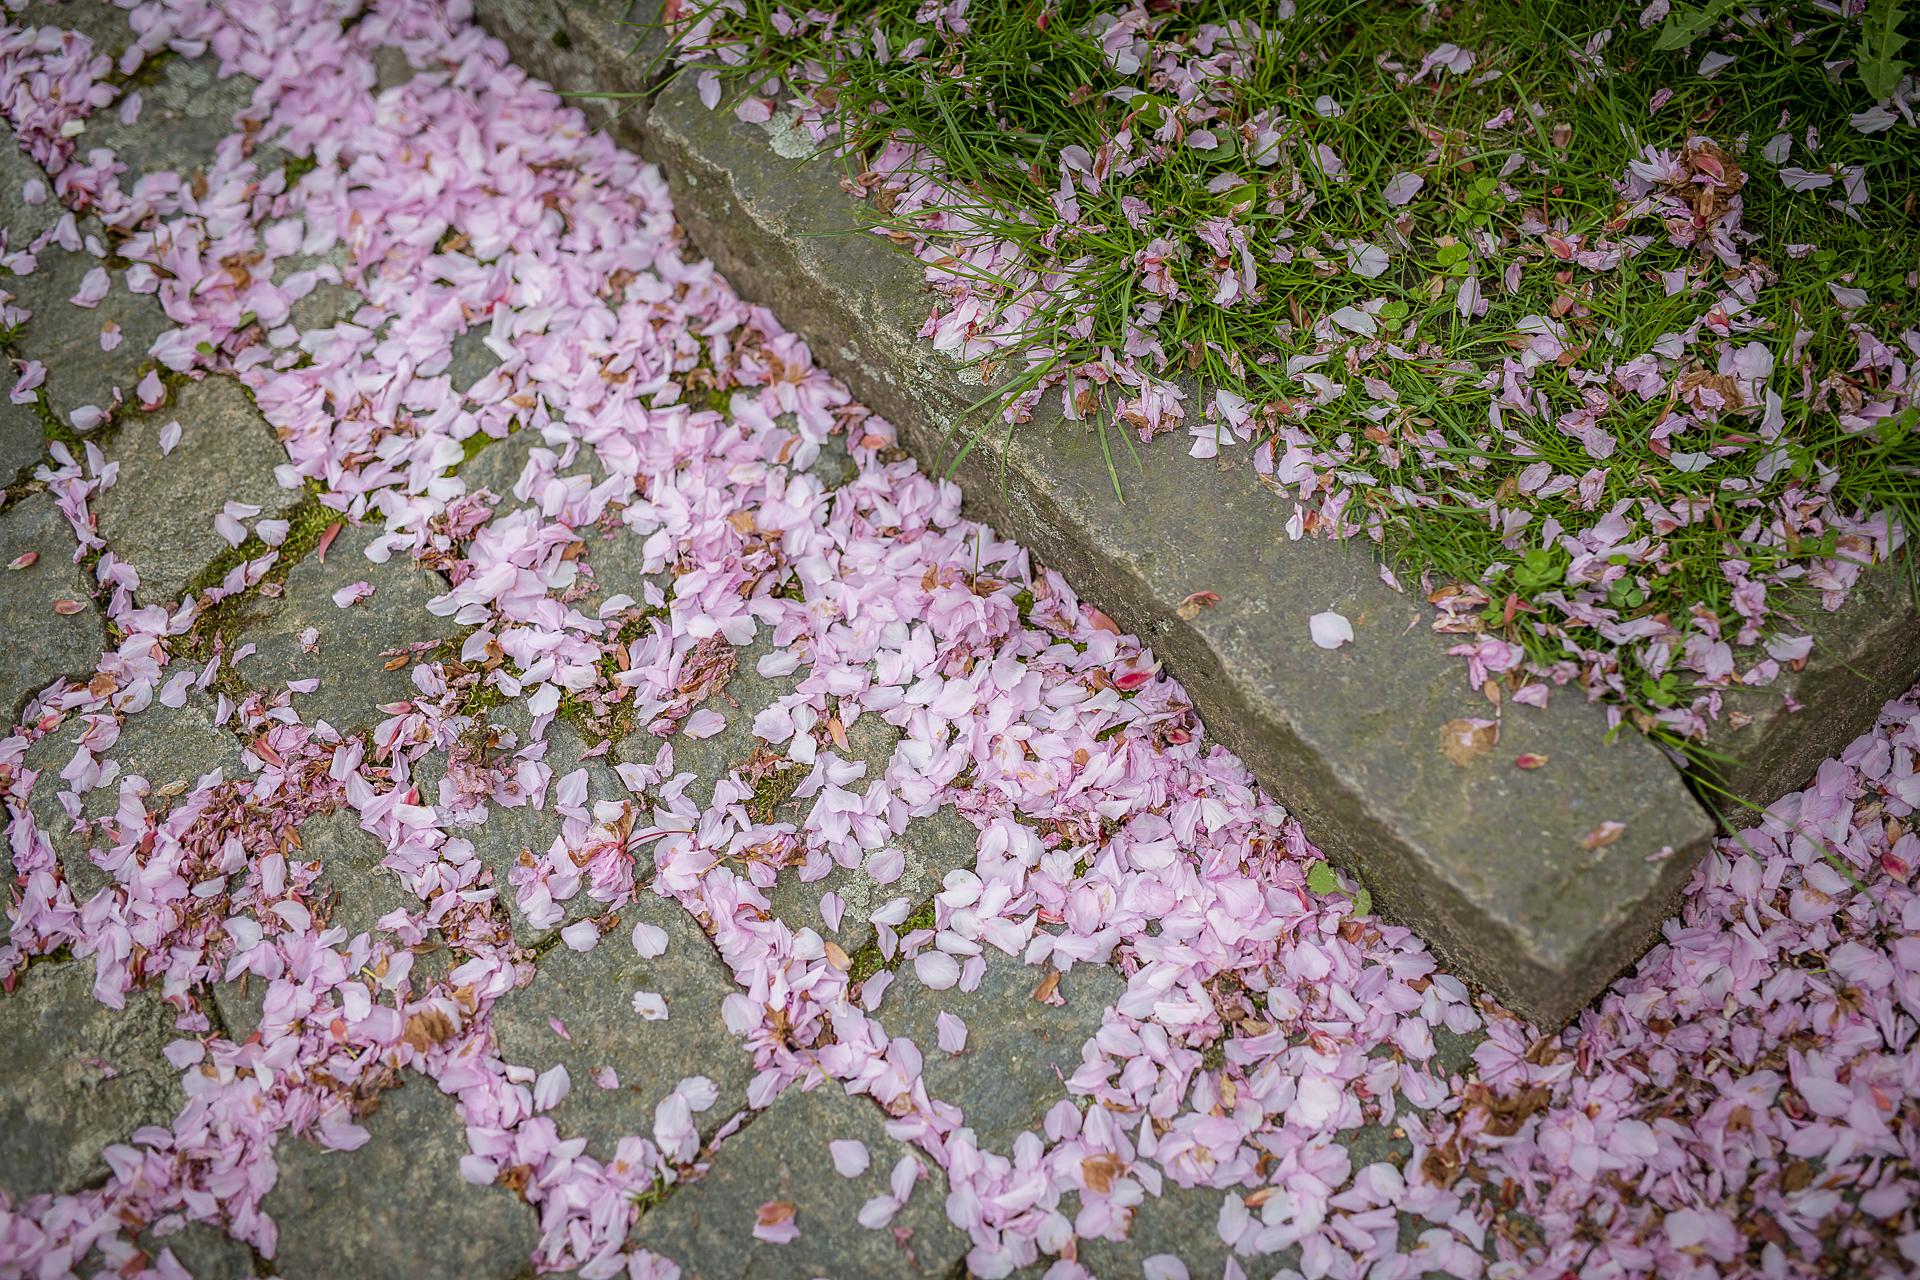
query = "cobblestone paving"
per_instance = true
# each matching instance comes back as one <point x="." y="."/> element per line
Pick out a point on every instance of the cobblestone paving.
<point x="476" y="1017"/>
<point x="332" y="633"/>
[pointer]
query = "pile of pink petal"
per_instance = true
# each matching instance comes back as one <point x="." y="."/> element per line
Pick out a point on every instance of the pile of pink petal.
<point x="1743" y="1104"/>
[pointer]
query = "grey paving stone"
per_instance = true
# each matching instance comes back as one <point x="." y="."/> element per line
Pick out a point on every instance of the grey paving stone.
<point x="21" y="223"/>
<point x="206" y="1252"/>
<point x="783" y="1155"/>
<point x="171" y="747"/>
<point x="23" y="437"/>
<point x="397" y="1208"/>
<point x="365" y="890"/>
<point x="390" y="68"/>
<point x="941" y="842"/>
<point x="472" y="358"/>
<point x="510" y="834"/>
<point x="355" y="891"/>
<point x="77" y="1076"/>
<point x="159" y="516"/>
<point x="617" y="563"/>
<point x="745" y="694"/>
<point x="497" y="467"/>
<point x="352" y="647"/>
<point x="592" y="994"/>
<point x="1031" y="1046"/>
<point x="1865" y="654"/>
<point x="42" y="645"/>
<point x="570" y="45"/>
<point x="834" y="468"/>
<point x="1182" y="1222"/>
<point x="185" y="114"/>
<point x="330" y="301"/>
<point x="66" y="338"/>
<point x="102" y="22"/>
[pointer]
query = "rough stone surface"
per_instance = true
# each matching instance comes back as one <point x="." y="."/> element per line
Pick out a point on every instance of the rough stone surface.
<point x="397" y="1208"/>
<point x="99" y="20"/>
<point x="363" y="889"/>
<point x="472" y="358"/>
<point x="160" y="517"/>
<point x="23" y="439"/>
<point x="582" y="46"/>
<point x="42" y="645"/>
<point x="591" y="993"/>
<point x="1486" y="861"/>
<point x="171" y="747"/>
<point x="355" y="891"/>
<point x="707" y="1226"/>
<point x="21" y="223"/>
<point x="1033" y="1045"/>
<point x="66" y="338"/>
<point x="206" y="1252"/>
<point x="329" y="301"/>
<point x="76" y="1077"/>
<point x="1865" y="654"/>
<point x="1180" y="1222"/>
<point x="184" y="115"/>
<point x="941" y="842"/>
<point x="711" y="758"/>
<point x="510" y="836"/>
<point x="354" y="646"/>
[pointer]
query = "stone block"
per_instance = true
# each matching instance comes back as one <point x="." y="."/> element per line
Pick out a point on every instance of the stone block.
<point x="397" y="1208"/>
<point x="171" y="747"/>
<point x="1865" y="654"/>
<point x="362" y="654"/>
<point x="783" y="1158"/>
<point x="941" y="842"/>
<point x="159" y="516"/>
<point x="43" y="644"/>
<point x="592" y="994"/>
<point x="1032" y="1045"/>
<point x="67" y="338"/>
<point x="77" y="1076"/>
<point x="185" y="114"/>
<point x="574" y="45"/>
<point x="1491" y="864"/>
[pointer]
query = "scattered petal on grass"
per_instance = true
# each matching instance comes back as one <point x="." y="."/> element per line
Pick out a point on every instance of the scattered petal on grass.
<point x="1402" y="187"/>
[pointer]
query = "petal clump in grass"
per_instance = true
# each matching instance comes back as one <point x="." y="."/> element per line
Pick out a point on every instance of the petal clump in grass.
<point x="1597" y="319"/>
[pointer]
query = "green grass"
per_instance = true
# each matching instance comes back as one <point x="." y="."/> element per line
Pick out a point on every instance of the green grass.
<point x="997" y="107"/>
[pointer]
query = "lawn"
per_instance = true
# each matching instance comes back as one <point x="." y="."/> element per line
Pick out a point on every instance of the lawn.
<point x="1601" y="320"/>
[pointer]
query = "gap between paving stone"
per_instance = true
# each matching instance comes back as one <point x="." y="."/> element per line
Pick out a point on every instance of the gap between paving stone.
<point x="1489" y="863"/>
